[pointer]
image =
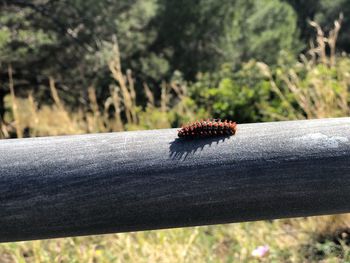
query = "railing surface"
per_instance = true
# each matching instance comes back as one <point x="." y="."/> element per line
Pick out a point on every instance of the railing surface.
<point x="128" y="181"/>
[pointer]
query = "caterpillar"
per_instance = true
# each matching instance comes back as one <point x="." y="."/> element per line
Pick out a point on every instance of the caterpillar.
<point x="208" y="128"/>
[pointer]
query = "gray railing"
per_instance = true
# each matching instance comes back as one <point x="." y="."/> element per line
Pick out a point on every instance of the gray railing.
<point x="128" y="181"/>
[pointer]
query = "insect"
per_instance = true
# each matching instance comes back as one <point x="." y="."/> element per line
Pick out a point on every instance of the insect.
<point x="208" y="128"/>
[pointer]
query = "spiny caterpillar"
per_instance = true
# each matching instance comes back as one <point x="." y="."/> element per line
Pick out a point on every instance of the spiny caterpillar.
<point x="208" y="128"/>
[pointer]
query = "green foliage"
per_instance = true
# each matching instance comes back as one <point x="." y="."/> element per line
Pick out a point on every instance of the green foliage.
<point x="74" y="43"/>
<point x="233" y="95"/>
<point x="152" y="118"/>
<point x="260" y="30"/>
<point x="188" y="33"/>
<point x="68" y="40"/>
<point x="309" y="89"/>
<point x="202" y="35"/>
<point x="21" y="43"/>
<point x="312" y="90"/>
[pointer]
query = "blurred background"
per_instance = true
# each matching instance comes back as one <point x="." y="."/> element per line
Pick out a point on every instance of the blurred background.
<point x="82" y="66"/>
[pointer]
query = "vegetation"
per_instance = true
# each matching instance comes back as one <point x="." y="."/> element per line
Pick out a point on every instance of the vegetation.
<point x="70" y="67"/>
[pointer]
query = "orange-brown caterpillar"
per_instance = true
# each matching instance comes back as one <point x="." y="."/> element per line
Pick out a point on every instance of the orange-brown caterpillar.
<point x="208" y="128"/>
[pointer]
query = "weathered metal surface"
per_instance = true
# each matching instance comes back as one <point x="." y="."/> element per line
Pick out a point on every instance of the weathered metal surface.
<point x="115" y="182"/>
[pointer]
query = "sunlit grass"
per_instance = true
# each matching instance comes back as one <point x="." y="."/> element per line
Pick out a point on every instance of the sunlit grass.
<point x="289" y="240"/>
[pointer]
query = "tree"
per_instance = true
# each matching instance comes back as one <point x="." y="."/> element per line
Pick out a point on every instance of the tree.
<point x="69" y="40"/>
<point x="260" y="30"/>
<point x="202" y="35"/>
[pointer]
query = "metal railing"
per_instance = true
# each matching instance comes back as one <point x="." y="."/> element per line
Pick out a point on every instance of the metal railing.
<point x="129" y="181"/>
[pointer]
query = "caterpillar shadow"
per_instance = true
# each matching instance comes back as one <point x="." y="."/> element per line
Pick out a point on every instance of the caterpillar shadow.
<point x="182" y="148"/>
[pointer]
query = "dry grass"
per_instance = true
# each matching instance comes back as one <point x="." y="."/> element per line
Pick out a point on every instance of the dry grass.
<point x="17" y="121"/>
<point x="287" y="240"/>
<point x="318" y="83"/>
<point x="56" y="119"/>
<point x="126" y="85"/>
